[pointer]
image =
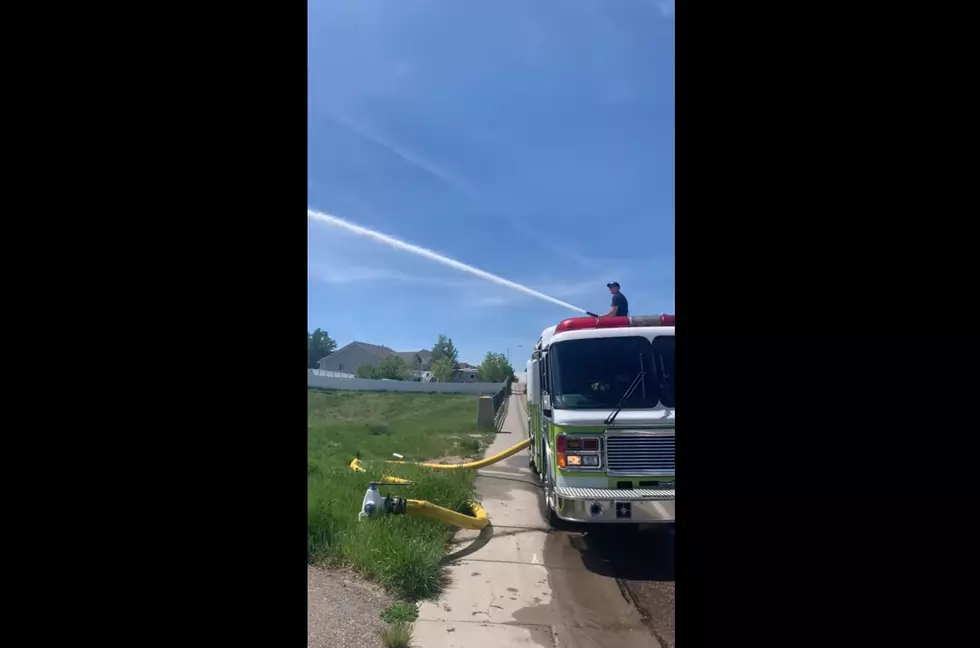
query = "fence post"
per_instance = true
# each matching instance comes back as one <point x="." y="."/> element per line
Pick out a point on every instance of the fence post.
<point x="486" y="411"/>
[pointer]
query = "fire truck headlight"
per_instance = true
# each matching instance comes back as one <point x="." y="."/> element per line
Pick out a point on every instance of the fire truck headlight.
<point x="590" y="460"/>
<point x="574" y="460"/>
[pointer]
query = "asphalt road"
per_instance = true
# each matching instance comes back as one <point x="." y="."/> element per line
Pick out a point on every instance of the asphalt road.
<point x="643" y="563"/>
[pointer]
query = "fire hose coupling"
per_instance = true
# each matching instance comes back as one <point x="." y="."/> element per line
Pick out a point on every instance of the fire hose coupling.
<point x="375" y="504"/>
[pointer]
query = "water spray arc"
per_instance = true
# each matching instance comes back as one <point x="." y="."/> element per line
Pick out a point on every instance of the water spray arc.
<point x="390" y="241"/>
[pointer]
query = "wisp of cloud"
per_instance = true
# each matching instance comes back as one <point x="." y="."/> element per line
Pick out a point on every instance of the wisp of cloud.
<point x="433" y="256"/>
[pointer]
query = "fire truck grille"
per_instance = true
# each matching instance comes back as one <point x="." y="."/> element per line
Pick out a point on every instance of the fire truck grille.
<point x="640" y="454"/>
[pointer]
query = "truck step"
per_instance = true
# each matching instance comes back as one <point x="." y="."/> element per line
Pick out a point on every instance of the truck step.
<point x="618" y="494"/>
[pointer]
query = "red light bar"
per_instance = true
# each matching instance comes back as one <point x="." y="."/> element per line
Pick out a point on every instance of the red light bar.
<point x="560" y="443"/>
<point x="582" y="323"/>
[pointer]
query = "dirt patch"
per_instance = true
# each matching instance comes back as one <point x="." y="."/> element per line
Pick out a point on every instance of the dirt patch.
<point x="343" y="610"/>
<point x="480" y="441"/>
<point x="655" y="602"/>
<point x="453" y="459"/>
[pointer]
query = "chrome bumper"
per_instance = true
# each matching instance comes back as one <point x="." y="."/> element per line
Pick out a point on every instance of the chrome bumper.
<point x="640" y="506"/>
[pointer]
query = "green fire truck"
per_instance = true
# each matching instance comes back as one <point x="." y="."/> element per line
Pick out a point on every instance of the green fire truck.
<point x="600" y="394"/>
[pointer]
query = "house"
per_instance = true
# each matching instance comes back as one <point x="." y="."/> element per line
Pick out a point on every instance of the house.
<point x="349" y="358"/>
<point x="416" y="360"/>
<point x="466" y="374"/>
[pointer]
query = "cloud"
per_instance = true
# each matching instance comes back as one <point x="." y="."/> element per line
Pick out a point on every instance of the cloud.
<point x="460" y="185"/>
<point x="404" y="154"/>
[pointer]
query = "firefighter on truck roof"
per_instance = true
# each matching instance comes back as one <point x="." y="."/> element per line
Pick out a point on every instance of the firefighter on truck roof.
<point x="620" y="306"/>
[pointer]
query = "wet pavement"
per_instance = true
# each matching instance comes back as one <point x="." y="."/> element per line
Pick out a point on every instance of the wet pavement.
<point x="519" y="583"/>
<point x="643" y="562"/>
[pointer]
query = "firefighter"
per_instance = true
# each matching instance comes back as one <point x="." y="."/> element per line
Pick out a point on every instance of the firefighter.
<point x="620" y="305"/>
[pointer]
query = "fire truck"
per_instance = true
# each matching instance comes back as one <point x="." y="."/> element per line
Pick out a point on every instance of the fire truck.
<point x="600" y="395"/>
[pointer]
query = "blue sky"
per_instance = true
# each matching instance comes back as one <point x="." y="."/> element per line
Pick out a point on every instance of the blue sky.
<point x="533" y="140"/>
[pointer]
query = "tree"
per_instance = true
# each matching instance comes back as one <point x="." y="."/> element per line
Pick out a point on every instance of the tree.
<point x="367" y="371"/>
<point x="443" y="369"/>
<point x="394" y="368"/>
<point x="318" y="345"/>
<point x="444" y="349"/>
<point x="494" y="368"/>
<point x="391" y="368"/>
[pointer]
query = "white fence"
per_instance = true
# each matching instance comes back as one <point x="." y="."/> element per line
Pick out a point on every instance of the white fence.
<point x="360" y="384"/>
<point x="330" y="374"/>
<point x="423" y="376"/>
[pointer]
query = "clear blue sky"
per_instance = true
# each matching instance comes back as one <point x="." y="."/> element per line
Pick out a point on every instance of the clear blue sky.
<point x="534" y="140"/>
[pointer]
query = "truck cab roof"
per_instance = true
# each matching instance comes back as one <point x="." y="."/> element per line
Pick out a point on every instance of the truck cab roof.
<point x="577" y="328"/>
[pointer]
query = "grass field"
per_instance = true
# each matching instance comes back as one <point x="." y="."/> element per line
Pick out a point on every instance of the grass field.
<point x="401" y="553"/>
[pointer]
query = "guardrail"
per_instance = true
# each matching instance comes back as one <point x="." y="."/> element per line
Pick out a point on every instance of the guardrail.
<point x="500" y="398"/>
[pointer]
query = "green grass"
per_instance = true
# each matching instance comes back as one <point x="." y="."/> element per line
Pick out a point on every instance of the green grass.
<point x="400" y="613"/>
<point x="397" y="635"/>
<point x="398" y="619"/>
<point x="401" y="553"/>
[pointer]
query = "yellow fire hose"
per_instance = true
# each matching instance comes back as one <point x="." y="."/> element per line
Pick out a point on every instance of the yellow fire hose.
<point x="424" y="509"/>
<point x="500" y="456"/>
<point x="356" y="465"/>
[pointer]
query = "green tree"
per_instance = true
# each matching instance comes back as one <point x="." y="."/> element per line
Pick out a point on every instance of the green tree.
<point x="444" y="349"/>
<point x="494" y="368"/>
<point x="394" y="368"/>
<point x="318" y="345"/>
<point x="367" y="371"/>
<point x="443" y="369"/>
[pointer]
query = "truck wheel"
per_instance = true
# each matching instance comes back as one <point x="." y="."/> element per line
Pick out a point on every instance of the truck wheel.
<point x="547" y="489"/>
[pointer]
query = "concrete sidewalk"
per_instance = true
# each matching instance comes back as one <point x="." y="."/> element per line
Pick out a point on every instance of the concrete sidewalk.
<point x="517" y="583"/>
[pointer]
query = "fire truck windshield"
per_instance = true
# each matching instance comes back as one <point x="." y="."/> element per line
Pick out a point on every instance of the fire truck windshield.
<point x="595" y="373"/>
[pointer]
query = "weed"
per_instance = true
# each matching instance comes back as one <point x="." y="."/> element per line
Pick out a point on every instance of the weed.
<point x="378" y="430"/>
<point x="400" y="613"/>
<point x="397" y="635"/>
<point x="470" y="446"/>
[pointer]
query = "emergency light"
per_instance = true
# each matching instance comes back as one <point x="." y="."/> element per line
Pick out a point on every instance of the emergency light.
<point x="577" y="452"/>
<point x="582" y="323"/>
